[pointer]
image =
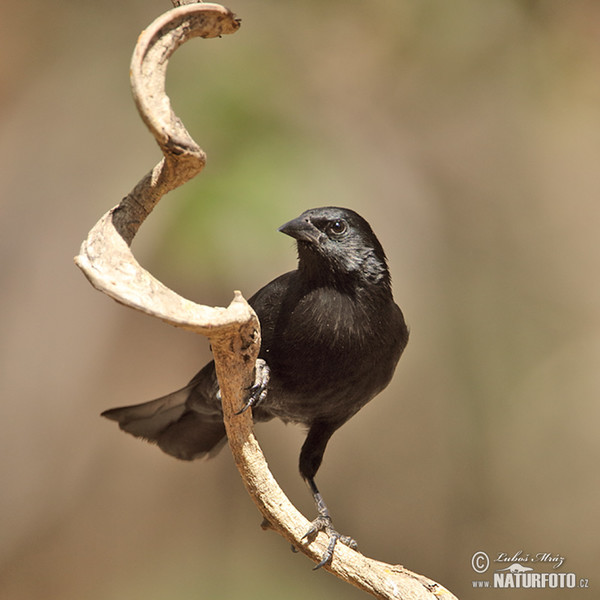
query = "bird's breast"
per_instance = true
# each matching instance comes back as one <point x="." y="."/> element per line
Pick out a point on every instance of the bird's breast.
<point x="329" y="356"/>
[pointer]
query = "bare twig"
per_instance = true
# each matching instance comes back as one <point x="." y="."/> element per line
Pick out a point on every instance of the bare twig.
<point x="234" y="332"/>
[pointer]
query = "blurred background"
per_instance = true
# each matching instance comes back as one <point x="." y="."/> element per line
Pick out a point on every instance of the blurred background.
<point x="467" y="133"/>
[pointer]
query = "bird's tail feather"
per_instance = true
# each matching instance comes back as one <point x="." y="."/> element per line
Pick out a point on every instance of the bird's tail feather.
<point x="168" y="422"/>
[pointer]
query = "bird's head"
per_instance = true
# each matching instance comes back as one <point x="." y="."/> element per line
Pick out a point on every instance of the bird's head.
<point x="338" y="245"/>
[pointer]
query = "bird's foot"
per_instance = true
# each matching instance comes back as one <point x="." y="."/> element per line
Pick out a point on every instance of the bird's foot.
<point x="324" y="523"/>
<point x="257" y="392"/>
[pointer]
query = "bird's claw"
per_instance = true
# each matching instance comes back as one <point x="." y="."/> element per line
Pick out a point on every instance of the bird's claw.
<point x="257" y="392"/>
<point x="324" y="523"/>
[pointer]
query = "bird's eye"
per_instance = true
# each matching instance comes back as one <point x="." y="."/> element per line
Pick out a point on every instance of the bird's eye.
<point x="337" y="227"/>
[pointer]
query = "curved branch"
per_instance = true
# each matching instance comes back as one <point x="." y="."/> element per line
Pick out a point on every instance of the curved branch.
<point x="234" y="332"/>
<point x="105" y="257"/>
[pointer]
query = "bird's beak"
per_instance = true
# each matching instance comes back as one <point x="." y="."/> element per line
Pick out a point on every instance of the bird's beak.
<point x="301" y="229"/>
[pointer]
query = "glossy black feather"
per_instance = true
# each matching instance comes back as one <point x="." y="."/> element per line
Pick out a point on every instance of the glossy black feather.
<point x="331" y="337"/>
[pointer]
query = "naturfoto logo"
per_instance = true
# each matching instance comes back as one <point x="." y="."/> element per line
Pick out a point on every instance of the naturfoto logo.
<point x="524" y="570"/>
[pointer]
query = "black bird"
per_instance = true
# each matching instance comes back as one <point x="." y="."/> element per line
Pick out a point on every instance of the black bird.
<point x="331" y="338"/>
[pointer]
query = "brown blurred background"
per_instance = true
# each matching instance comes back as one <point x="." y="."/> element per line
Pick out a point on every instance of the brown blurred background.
<point x="466" y="132"/>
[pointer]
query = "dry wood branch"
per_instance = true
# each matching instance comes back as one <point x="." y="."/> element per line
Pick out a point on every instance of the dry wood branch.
<point x="234" y="332"/>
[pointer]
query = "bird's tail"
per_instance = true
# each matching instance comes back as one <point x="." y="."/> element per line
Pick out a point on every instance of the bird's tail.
<point x="168" y="422"/>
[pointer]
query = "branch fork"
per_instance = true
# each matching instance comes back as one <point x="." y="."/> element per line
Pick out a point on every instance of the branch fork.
<point x="234" y="331"/>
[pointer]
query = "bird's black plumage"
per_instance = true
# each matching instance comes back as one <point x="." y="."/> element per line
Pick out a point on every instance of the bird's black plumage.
<point x="331" y="338"/>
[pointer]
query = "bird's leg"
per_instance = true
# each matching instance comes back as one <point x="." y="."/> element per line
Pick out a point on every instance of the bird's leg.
<point x="324" y="523"/>
<point x="257" y="392"/>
